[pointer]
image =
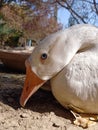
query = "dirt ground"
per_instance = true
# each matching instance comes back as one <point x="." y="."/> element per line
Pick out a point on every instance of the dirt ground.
<point x="42" y="111"/>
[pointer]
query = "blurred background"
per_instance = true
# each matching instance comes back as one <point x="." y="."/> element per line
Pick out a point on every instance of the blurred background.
<point x="25" y="22"/>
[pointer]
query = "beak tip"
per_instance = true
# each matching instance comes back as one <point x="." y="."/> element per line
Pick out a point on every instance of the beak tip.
<point x="22" y="103"/>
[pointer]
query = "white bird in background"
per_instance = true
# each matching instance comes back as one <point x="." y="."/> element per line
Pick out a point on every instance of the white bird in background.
<point x="69" y="58"/>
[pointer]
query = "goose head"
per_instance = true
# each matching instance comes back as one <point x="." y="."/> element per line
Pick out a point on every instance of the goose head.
<point x="47" y="60"/>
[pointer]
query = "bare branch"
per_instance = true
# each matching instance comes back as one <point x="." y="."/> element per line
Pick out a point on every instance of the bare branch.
<point x="73" y="13"/>
<point x="94" y="1"/>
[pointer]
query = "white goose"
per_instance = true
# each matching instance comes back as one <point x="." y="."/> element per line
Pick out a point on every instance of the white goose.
<point x="69" y="58"/>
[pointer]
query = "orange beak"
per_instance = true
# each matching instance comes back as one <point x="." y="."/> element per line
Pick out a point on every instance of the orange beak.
<point x="31" y="85"/>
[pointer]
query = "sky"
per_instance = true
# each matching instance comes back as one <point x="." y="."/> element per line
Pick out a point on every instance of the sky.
<point x="63" y="16"/>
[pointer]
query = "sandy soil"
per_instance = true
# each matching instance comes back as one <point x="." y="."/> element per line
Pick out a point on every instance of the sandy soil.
<point x="42" y="111"/>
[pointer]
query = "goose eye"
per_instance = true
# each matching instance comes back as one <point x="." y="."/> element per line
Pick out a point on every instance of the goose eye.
<point x="44" y="56"/>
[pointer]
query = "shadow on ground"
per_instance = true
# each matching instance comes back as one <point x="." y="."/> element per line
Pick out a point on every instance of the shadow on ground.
<point x="42" y="101"/>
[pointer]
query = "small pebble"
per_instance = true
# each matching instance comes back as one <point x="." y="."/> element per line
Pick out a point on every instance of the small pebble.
<point x="52" y="113"/>
<point x="24" y="115"/>
<point x="55" y="125"/>
<point x="36" y="117"/>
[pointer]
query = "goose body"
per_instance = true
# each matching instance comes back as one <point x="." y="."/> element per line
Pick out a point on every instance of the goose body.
<point x="69" y="58"/>
<point x="76" y="86"/>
